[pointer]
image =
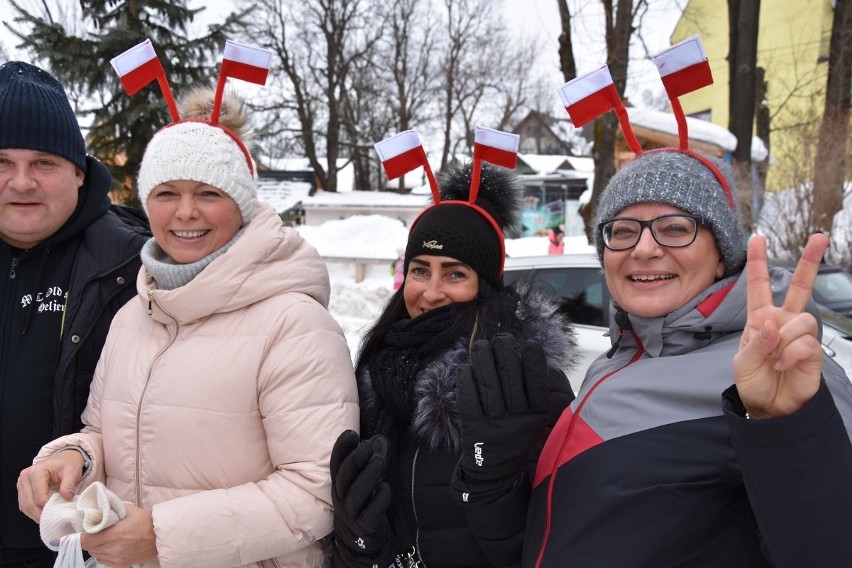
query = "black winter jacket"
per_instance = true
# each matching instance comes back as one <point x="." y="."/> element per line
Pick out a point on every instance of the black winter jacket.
<point x="58" y="299"/>
<point x="422" y="468"/>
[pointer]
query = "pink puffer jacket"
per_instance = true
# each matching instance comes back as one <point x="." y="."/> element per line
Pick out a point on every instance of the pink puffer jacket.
<point x="219" y="409"/>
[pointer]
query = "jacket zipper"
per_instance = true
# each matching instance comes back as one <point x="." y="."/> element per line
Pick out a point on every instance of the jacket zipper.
<point x="12" y="273"/>
<point x="640" y="350"/>
<point x="414" y="559"/>
<point x="156" y="358"/>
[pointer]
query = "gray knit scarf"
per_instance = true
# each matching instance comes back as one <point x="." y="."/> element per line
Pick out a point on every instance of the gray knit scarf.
<point x="169" y="275"/>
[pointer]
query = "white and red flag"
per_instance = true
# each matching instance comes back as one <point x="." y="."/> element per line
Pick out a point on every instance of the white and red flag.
<point x="245" y="62"/>
<point x="137" y="67"/>
<point x="589" y="96"/>
<point x="404" y="152"/>
<point x="401" y="153"/>
<point x="684" y="67"/>
<point x="242" y="62"/>
<point x="497" y="147"/>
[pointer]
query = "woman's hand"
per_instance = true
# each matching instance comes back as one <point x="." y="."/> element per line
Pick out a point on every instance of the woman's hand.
<point x="361" y="496"/>
<point x="129" y="541"/>
<point x="779" y="363"/>
<point x="61" y="471"/>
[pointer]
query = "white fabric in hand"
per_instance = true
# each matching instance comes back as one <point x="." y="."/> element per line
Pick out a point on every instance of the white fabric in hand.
<point x="93" y="510"/>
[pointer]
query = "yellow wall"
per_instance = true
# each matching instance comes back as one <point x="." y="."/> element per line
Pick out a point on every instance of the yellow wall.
<point x="793" y="36"/>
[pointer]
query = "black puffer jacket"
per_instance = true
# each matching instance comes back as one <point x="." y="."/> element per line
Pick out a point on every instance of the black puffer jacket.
<point x="57" y="300"/>
<point x="425" y="458"/>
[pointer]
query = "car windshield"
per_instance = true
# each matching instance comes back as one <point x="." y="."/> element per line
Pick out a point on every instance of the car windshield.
<point x="833" y="287"/>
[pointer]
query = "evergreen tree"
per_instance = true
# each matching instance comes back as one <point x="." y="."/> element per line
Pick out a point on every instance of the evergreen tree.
<point x="79" y="56"/>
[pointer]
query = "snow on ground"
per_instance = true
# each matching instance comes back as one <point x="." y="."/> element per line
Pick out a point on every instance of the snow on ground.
<point x="355" y="305"/>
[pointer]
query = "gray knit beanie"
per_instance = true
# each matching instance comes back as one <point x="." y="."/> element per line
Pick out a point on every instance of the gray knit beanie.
<point x="679" y="179"/>
<point x="35" y="114"/>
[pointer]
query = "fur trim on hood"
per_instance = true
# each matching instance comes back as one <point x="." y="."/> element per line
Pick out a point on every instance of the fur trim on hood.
<point x="436" y="421"/>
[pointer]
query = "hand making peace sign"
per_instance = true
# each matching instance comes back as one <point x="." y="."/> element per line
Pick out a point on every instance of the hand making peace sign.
<point x="779" y="363"/>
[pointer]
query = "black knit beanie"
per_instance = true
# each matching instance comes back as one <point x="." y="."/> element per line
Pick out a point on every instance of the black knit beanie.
<point x="473" y="235"/>
<point x="35" y="114"/>
<point x="461" y="232"/>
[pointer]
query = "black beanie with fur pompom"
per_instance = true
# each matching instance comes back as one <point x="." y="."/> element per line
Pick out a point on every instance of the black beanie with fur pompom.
<point x="472" y="235"/>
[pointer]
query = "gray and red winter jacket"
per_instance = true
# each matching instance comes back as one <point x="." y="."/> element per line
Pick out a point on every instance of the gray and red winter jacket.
<point x="652" y="466"/>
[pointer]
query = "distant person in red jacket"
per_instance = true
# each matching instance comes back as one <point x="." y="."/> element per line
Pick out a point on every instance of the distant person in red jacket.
<point x="399" y="269"/>
<point x="557" y="241"/>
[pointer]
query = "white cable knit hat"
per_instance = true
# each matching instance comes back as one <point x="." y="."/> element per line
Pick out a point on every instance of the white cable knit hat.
<point x="93" y="510"/>
<point x="193" y="149"/>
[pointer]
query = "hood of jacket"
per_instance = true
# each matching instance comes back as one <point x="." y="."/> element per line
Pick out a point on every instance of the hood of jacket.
<point x="246" y="273"/>
<point x="436" y="421"/>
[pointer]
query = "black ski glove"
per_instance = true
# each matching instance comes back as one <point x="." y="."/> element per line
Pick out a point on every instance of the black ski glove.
<point x="504" y="404"/>
<point x="361" y="497"/>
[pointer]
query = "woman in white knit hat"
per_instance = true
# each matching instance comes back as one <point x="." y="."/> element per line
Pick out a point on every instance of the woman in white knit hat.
<point x="222" y="388"/>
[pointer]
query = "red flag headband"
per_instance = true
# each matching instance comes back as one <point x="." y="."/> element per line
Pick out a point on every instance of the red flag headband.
<point x="139" y="65"/>
<point x="404" y="152"/>
<point x="683" y="68"/>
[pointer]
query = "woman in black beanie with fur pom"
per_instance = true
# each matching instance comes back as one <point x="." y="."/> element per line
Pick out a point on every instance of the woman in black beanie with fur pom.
<point x="460" y="379"/>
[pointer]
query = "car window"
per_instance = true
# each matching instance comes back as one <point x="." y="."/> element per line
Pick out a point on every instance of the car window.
<point x="582" y="291"/>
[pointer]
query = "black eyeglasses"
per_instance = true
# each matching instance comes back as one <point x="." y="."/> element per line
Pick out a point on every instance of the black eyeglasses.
<point x="673" y="231"/>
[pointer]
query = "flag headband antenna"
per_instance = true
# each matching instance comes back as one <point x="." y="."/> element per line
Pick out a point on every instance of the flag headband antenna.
<point x="403" y="152"/>
<point x="683" y="68"/>
<point x="140" y="65"/>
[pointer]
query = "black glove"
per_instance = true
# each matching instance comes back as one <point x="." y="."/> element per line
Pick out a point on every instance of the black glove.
<point x="361" y="498"/>
<point x="504" y="405"/>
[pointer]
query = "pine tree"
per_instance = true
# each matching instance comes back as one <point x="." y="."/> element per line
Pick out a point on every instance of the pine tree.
<point x="80" y="60"/>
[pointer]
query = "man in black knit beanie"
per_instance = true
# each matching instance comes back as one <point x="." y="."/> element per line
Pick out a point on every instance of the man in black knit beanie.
<point x="69" y="262"/>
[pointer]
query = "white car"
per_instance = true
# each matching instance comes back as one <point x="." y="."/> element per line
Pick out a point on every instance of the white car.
<point x="579" y="281"/>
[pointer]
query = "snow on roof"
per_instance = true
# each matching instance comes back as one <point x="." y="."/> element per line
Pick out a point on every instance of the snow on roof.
<point x="546" y="164"/>
<point x="701" y="130"/>
<point x="366" y="199"/>
<point x="759" y="152"/>
<point x="567" y="166"/>
<point x="282" y="195"/>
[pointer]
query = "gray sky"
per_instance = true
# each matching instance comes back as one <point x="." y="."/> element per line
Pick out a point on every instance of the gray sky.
<point x="532" y="18"/>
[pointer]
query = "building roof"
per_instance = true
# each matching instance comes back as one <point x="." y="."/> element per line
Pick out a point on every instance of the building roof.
<point x="646" y="121"/>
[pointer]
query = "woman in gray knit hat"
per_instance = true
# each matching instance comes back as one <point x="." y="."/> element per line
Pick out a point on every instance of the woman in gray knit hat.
<point x="715" y="432"/>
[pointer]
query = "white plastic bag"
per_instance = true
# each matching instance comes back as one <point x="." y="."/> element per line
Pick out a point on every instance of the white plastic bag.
<point x="71" y="555"/>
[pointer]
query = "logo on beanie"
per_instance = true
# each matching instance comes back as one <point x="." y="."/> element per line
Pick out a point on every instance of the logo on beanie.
<point x="433" y="244"/>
